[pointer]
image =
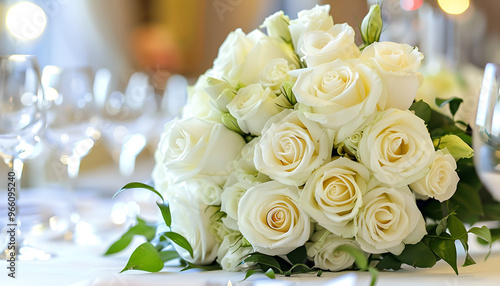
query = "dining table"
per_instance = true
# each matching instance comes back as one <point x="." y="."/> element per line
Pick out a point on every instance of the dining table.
<point x="80" y="261"/>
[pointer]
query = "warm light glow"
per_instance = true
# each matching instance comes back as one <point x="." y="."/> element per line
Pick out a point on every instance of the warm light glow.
<point x="454" y="7"/>
<point x="26" y="20"/>
<point x="411" y="5"/>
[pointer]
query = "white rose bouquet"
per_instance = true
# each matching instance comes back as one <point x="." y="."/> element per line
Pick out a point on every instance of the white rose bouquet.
<point x="299" y="151"/>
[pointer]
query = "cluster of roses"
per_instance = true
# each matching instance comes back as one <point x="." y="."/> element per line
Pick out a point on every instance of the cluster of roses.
<point x="299" y="138"/>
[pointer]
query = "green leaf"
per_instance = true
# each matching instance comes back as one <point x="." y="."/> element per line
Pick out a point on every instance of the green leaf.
<point x="141" y="228"/>
<point x="445" y="249"/>
<point x="270" y="273"/>
<point x="298" y="268"/>
<point x="417" y="255"/>
<point x="179" y="240"/>
<point x="389" y="261"/>
<point x="454" y="103"/>
<point x="422" y="110"/>
<point x="168" y="255"/>
<point x="146" y="258"/>
<point x="482" y="232"/>
<point x="441" y="226"/>
<point x="210" y="267"/>
<point x="263" y="259"/>
<point x="137" y="185"/>
<point x="144" y="229"/>
<point x="457" y="229"/>
<point x="165" y="213"/>
<point x="374" y="274"/>
<point x="359" y="256"/>
<point x="119" y="245"/>
<point x="467" y="199"/>
<point x="319" y="273"/>
<point x="468" y="260"/>
<point x="455" y="146"/>
<point x="298" y="256"/>
<point x="249" y="273"/>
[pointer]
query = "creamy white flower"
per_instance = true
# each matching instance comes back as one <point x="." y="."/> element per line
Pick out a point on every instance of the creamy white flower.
<point x="218" y="228"/>
<point x="231" y="253"/>
<point x="321" y="47"/>
<point x="191" y="219"/>
<point x="264" y="51"/>
<point x="275" y="73"/>
<point x="322" y="250"/>
<point x="277" y="26"/>
<point x="388" y="220"/>
<point x="317" y="18"/>
<point x="270" y="219"/>
<point x="233" y="52"/>
<point x="397" y="65"/>
<point x="333" y="195"/>
<point x="198" y="102"/>
<point x="194" y="147"/>
<point x="231" y="197"/>
<point x="441" y="182"/>
<point x="396" y="147"/>
<point x="292" y="147"/>
<point x="253" y="106"/>
<point x="207" y="189"/>
<point x="159" y="175"/>
<point x="244" y="166"/>
<point x="340" y="95"/>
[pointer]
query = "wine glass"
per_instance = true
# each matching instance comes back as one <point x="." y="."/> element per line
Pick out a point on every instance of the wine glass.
<point x="71" y="131"/>
<point x="486" y="133"/>
<point x="125" y="118"/>
<point x="22" y="120"/>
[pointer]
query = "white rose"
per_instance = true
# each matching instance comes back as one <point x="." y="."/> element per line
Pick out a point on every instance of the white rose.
<point x="264" y="51"/>
<point x="317" y="18"/>
<point x="253" y="106"/>
<point x="198" y="101"/>
<point x="191" y="219"/>
<point x="321" y="47"/>
<point x="277" y="26"/>
<point x="292" y="147"/>
<point x="270" y="219"/>
<point x="233" y="52"/>
<point x="230" y="198"/>
<point x="396" y="147"/>
<point x="159" y="175"/>
<point x="192" y="147"/>
<point x="340" y="95"/>
<point x="231" y="253"/>
<point x="397" y="65"/>
<point x="388" y="220"/>
<point x="441" y="182"/>
<point x="218" y="228"/>
<point x="244" y="166"/>
<point x="333" y="195"/>
<point x="207" y="189"/>
<point x="322" y="250"/>
<point x="275" y="73"/>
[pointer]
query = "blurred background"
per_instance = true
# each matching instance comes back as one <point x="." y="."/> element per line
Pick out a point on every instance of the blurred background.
<point x="146" y="49"/>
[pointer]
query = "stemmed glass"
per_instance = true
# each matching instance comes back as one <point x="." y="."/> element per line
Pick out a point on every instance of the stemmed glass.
<point x="71" y="131"/>
<point x="22" y="120"/>
<point x="125" y="118"/>
<point x="486" y="133"/>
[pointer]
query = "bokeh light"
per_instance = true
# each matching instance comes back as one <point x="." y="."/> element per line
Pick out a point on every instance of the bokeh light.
<point x="26" y="20"/>
<point x="454" y="7"/>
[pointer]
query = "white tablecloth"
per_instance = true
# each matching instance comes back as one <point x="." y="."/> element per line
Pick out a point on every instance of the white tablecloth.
<point x="77" y="265"/>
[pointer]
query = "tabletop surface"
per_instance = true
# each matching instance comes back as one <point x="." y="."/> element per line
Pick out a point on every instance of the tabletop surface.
<point x="84" y="264"/>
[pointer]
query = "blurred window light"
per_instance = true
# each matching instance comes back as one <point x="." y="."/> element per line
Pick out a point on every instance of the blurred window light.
<point x="411" y="5"/>
<point x="26" y="20"/>
<point x="454" y="7"/>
